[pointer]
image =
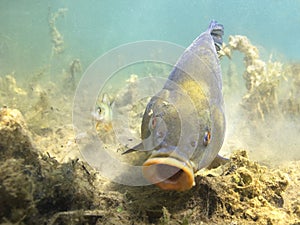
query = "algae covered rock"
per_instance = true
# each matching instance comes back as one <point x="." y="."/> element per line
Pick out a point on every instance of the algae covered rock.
<point x="239" y="192"/>
<point x="249" y="191"/>
<point x="15" y="141"/>
<point x="34" y="187"/>
<point x="16" y="191"/>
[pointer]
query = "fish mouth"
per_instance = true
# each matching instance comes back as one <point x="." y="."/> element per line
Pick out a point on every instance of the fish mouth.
<point x="169" y="173"/>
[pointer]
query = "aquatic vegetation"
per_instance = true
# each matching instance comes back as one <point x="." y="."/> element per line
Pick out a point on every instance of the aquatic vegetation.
<point x="75" y="67"/>
<point x="291" y="104"/>
<point x="8" y="86"/>
<point x="12" y="95"/>
<point x="261" y="79"/>
<point x="269" y="105"/>
<point x="69" y="75"/>
<point x="36" y="115"/>
<point x="57" y="38"/>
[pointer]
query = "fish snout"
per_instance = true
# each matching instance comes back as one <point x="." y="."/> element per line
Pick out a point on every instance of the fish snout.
<point x="169" y="172"/>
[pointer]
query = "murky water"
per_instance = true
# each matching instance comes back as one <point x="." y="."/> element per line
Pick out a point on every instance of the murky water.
<point x="56" y="41"/>
<point x="47" y="48"/>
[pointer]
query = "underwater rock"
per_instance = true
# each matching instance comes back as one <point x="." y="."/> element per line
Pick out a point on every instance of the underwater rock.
<point x="34" y="187"/>
<point x="247" y="190"/>
<point x="15" y="141"/>
<point x="16" y="187"/>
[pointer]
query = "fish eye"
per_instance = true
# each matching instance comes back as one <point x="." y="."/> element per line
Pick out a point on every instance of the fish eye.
<point x="206" y="138"/>
<point x="153" y="123"/>
<point x="99" y="109"/>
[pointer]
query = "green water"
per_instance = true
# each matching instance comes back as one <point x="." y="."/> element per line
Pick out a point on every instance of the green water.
<point x="90" y="28"/>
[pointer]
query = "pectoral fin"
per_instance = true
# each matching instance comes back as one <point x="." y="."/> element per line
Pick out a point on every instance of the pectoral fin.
<point x="138" y="147"/>
<point x="218" y="161"/>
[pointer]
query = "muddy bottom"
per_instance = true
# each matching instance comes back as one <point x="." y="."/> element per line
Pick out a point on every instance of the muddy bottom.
<point x="37" y="189"/>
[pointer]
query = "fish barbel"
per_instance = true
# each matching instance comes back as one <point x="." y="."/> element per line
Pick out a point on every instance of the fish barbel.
<point x="183" y="125"/>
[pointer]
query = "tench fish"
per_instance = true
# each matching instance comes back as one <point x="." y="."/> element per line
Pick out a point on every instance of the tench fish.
<point x="183" y="125"/>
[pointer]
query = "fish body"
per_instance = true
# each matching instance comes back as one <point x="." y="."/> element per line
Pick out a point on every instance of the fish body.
<point x="183" y="125"/>
<point x="103" y="114"/>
